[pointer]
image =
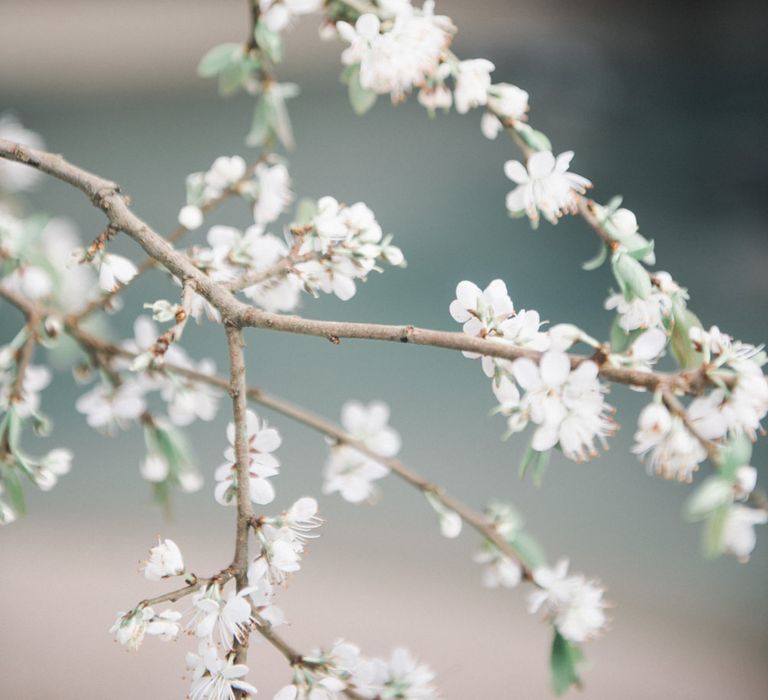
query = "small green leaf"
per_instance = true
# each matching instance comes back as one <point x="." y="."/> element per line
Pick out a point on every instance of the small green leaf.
<point x="711" y="494"/>
<point x="360" y="98"/>
<point x="218" y="59"/>
<point x="13" y="487"/>
<point x="306" y="210"/>
<point x="736" y="453"/>
<point x="261" y="128"/>
<point x="530" y="551"/>
<point x="563" y="664"/>
<point x="680" y="342"/>
<point x="269" y="42"/>
<point x="532" y="138"/>
<point x="714" y="529"/>
<point x="597" y="261"/>
<point x="536" y="462"/>
<point x="631" y="276"/>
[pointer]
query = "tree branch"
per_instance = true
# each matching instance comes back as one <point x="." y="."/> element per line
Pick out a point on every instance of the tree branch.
<point x="106" y="196"/>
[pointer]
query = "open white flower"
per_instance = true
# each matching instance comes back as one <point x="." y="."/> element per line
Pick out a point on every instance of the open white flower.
<point x="352" y="474"/>
<point x="274" y="193"/>
<point x="739" y="531"/>
<point x="164" y="560"/>
<point x="214" y="678"/>
<point x="105" y="406"/>
<point x="473" y="81"/>
<point x="222" y="619"/>
<point x="56" y="463"/>
<point x="545" y="186"/>
<point x="568" y="405"/>
<point x="574" y="604"/>
<point x="370" y="425"/>
<point x="262" y="441"/>
<point x="277" y="14"/>
<point x="114" y="271"/>
<point x="36" y="378"/>
<point x="223" y="174"/>
<point x="674" y="452"/>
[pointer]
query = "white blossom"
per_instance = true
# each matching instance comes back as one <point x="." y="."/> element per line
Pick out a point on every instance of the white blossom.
<point x="17" y="177"/>
<point x="277" y="14"/>
<point x="262" y="441"/>
<point x="568" y="406"/>
<point x="30" y="281"/>
<point x="223" y="174"/>
<point x="506" y="103"/>
<point x="673" y="452"/>
<point x="499" y="569"/>
<point x="191" y="217"/>
<point x="36" y="378"/>
<point x="640" y="313"/>
<point x="165" y="625"/>
<point x="274" y="193"/>
<point x="545" y="186"/>
<point x="574" y="604"/>
<point x="129" y="628"/>
<point x="114" y="271"/>
<point x="106" y="406"/>
<point x="370" y="425"/>
<point x="352" y="474"/>
<point x="739" y="530"/>
<point x="164" y="560"/>
<point x="222" y="619"/>
<point x="473" y="80"/>
<point x="214" y="678"/>
<point x="56" y="463"/>
<point x="744" y="481"/>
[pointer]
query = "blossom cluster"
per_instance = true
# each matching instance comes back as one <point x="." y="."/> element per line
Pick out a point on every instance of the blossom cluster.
<point x="565" y="403"/>
<point x="349" y="471"/>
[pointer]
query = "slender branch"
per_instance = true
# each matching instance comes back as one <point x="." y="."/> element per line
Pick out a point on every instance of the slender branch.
<point x="177" y="234"/>
<point x="221" y="578"/>
<point x="106" y="196"/>
<point x="237" y="390"/>
<point x="473" y="519"/>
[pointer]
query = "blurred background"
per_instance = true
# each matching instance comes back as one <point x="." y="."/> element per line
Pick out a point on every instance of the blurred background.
<point x="662" y="102"/>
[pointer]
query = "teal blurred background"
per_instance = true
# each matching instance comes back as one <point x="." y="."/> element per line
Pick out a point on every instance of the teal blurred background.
<point x="662" y="103"/>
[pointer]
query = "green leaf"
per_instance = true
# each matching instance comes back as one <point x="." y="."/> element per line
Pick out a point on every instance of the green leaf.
<point x="736" y="453"/>
<point x="261" y="128"/>
<point x="645" y="253"/>
<point x="536" y="462"/>
<point x="532" y="138"/>
<point x="231" y="79"/>
<point x="360" y="98"/>
<point x="631" y="276"/>
<point x="620" y="339"/>
<point x="563" y="662"/>
<point x="711" y="494"/>
<point x="269" y="42"/>
<point x="680" y="342"/>
<point x="597" y="261"/>
<point x="218" y="59"/>
<point x="13" y="487"/>
<point x="530" y="551"/>
<point x="306" y="210"/>
<point x="714" y="528"/>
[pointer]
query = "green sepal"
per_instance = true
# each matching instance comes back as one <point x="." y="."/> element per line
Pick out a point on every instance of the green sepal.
<point x="536" y="462"/>
<point x="529" y="550"/>
<point x="597" y="261"/>
<point x="218" y="59"/>
<point x="563" y="663"/>
<point x="13" y="488"/>
<point x="532" y="138"/>
<point x="360" y="98"/>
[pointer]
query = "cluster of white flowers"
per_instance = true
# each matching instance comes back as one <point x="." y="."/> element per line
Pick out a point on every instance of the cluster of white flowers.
<point x="567" y="404"/>
<point x="401" y="52"/>
<point x="573" y="603"/>
<point x="499" y="569"/>
<point x="351" y="472"/>
<point x="736" y="408"/>
<point x="345" y="242"/>
<point x="653" y="311"/>
<point x="36" y="259"/>
<point x="344" y="668"/>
